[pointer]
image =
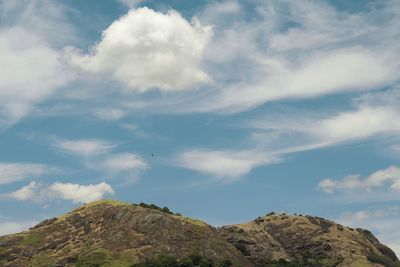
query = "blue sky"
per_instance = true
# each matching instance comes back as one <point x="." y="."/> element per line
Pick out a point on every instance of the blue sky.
<point x="220" y="110"/>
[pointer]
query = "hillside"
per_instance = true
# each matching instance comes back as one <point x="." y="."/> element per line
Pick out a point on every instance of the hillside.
<point x="295" y="238"/>
<point x="119" y="233"/>
<point x="110" y="233"/>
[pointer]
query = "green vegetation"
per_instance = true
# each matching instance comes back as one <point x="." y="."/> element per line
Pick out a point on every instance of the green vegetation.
<point x="42" y="261"/>
<point x="197" y="260"/>
<point x="103" y="258"/>
<point x="155" y="207"/>
<point x="309" y="262"/>
<point x="191" y="261"/>
<point x="382" y="259"/>
<point x="33" y="238"/>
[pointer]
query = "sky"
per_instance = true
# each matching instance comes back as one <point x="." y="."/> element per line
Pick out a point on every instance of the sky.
<point x="220" y="110"/>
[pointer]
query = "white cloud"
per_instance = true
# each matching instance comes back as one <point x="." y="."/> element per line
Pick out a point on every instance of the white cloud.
<point x="333" y="71"/>
<point x="11" y="227"/>
<point x="301" y="130"/>
<point x="124" y="161"/>
<point x="31" y="71"/>
<point x="112" y="114"/>
<point x="32" y="34"/>
<point x="292" y="51"/>
<point x="131" y="3"/>
<point x="146" y="49"/>
<point x="48" y="19"/>
<point x="25" y="192"/>
<point x="281" y="134"/>
<point x="65" y="191"/>
<point x="215" y="11"/>
<point x="362" y="123"/>
<point x="396" y="148"/>
<point x="81" y="193"/>
<point x="127" y="166"/>
<point x="85" y="147"/>
<point x="227" y="166"/>
<point x="98" y="155"/>
<point x="14" y="172"/>
<point x="377" y="179"/>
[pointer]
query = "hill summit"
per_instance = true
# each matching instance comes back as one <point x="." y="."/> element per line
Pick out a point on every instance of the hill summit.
<point x="111" y="233"/>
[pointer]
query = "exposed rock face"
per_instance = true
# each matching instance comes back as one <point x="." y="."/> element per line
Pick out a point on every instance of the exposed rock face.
<point x="122" y="234"/>
<point x="280" y="236"/>
<point x="121" y="231"/>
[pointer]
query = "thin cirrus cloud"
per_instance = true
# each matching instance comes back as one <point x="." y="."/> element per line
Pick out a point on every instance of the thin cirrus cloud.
<point x="99" y="155"/>
<point x="125" y="166"/>
<point x="274" y="138"/>
<point x="324" y="130"/>
<point x="76" y="193"/>
<point x="84" y="147"/>
<point x="325" y="51"/>
<point x="343" y="52"/>
<point x="131" y="3"/>
<point x="291" y="135"/>
<point x="146" y="49"/>
<point x="331" y="72"/>
<point x="224" y="166"/>
<point x="32" y="70"/>
<point x="362" y="123"/>
<point x="14" y="172"/>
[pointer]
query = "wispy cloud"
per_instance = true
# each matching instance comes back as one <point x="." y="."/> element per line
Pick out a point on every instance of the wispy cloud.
<point x="339" y="52"/>
<point x="111" y="114"/>
<point x="225" y="166"/>
<point x="378" y="179"/>
<point x="84" y="147"/>
<point x="126" y="166"/>
<point x="365" y="121"/>
<point x="131" y="3"/>
<point x="14" y="172"/>
<point x="32" y="74"/>
<point x="76" y="193"/>
<point x="31" y="70"/>
<point x="100" y="156"/>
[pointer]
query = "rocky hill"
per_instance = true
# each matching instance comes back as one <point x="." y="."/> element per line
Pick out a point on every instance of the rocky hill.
<point x="114" y="234"/>
<point x="110" y="233"/>
<point x="307" y="241"/>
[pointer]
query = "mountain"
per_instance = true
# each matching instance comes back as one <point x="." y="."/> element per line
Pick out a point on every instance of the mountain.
<point x="111" y="233"/>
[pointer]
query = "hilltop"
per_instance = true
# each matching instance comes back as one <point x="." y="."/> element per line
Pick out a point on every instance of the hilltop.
<point x="307" y="241"/>
<point x="111" y="233"/>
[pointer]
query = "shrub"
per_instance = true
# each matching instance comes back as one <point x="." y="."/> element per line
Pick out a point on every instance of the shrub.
<point x="196" y="258"/>
<point x="191" y="261"/>
<point x="242" y="248"/>
<point x="225" y="263"/>
<point x="186" y="262"/>
<point x="154" y="207"/>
